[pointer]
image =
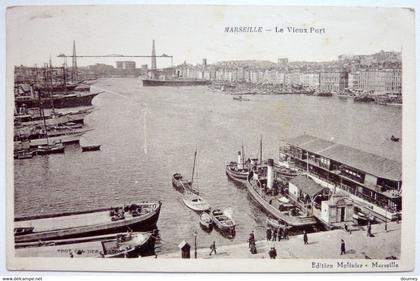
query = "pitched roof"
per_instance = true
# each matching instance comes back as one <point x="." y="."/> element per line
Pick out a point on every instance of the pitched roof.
<point x="183" y="244"/>
<point x="364" y="161"/>
<point x="307" y="185"/>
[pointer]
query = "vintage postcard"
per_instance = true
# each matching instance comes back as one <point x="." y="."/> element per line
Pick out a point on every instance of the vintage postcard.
<point x="210" y="138"/>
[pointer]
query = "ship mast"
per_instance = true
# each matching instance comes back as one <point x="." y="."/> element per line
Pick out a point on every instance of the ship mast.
<point x="74" y="64"/>
<point x="261" y="147"/>
<point x="193" y="169"/>
<point x="243" y="156"/>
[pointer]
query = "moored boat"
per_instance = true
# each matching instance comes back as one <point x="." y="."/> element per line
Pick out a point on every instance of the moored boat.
<point x="139" y="216"/>
<point x="234" y="173"/>
<point x="275" y="223"/>
<point x="58" y="101"/>
<point x="206" y="221"/>
<point x="91" y="148"/>
<point x="182" y="185"/>
<point x="240" y="98"/>
<point x="254" y="186"/>
<point x="195" y="202"/>
<point x="24" y="154"/>
<point x="128" y="245"/>
<point x="223" y="222"/>
<point x="50" y="149"/>
<point x="23" y="230"/>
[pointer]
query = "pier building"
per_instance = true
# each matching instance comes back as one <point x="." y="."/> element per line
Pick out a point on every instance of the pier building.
<point x="372" y="181"/>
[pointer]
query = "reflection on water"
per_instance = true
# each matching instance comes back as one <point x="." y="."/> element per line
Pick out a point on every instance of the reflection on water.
<point x="147" y="134"/>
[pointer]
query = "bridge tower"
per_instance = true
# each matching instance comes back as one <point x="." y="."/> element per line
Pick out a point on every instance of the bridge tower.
<point x="153" y="56"/>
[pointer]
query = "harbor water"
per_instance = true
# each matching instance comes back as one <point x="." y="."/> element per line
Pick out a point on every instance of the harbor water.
<point x="149" y="133"/>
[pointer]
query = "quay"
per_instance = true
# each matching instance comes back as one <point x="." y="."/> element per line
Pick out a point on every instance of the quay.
<point x="322" y="245"/>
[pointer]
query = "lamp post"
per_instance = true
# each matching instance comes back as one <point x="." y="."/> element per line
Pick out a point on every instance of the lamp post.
<point x="195" y="244"/>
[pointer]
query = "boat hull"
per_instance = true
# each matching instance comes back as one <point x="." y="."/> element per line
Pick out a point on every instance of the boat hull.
<point x="140" y="223"/>
<point x="236" y="175"/>
<point x="174" y="83"/>
<point x="60" y="101"/>
<point x="274" y="212"/>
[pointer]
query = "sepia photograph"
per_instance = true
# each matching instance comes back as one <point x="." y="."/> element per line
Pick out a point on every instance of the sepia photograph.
<point x="210" y="138"/>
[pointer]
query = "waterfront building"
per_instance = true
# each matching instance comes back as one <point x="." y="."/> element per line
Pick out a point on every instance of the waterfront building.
<point x="304" y="190"/>
<point x="333" y="81"/>
<point x="378" y="82"/>
<point x="338" y="209"/>
<point x="372" y="181"/>
<point x="310" y="80"/>
<point x="292" y="78"/>
<point x="126" y="65"/>
<point x="279" y="77"/>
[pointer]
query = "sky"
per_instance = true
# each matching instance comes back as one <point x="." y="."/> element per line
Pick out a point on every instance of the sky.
<point x="191" y="33"/>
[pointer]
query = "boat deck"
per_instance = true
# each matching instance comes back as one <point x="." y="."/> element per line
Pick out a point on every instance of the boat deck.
<point x="73" y="221"/>
<point x="296" y="221"/>
<point x="62" y="222"/>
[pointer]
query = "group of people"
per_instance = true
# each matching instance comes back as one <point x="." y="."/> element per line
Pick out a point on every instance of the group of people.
<point x="274" y="234"/>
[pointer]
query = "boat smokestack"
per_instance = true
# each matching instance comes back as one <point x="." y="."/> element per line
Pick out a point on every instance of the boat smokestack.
<point x="240" y="164"/>
<point x="270" y="174"/>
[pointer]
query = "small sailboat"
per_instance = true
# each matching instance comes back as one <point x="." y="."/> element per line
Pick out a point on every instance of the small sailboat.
<point x="206" y="222"/>
<point x="195" y="202"/>
<point x="184" y="185"/>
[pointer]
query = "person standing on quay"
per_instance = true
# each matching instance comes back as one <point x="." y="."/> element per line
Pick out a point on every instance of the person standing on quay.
<point x="343" y="247"/>
<point x="213" y="248"/>
<point x="369" y="230"/>
<point x="280" y="233"/>
<point x="251" y="239"/>
<point x="274" y="234"/>
<point x="268" y="234"/>
<point x="272" y="253"/>
<point x="285" y="233"/>
<point x="305" y="238"/>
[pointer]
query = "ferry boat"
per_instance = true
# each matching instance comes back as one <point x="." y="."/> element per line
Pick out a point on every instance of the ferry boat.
<point x="294" y="217"/>
<point x="139" y="216"/>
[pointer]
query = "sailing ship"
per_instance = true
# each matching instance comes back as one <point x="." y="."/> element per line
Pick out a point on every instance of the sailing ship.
<point x="48" y="148"/>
